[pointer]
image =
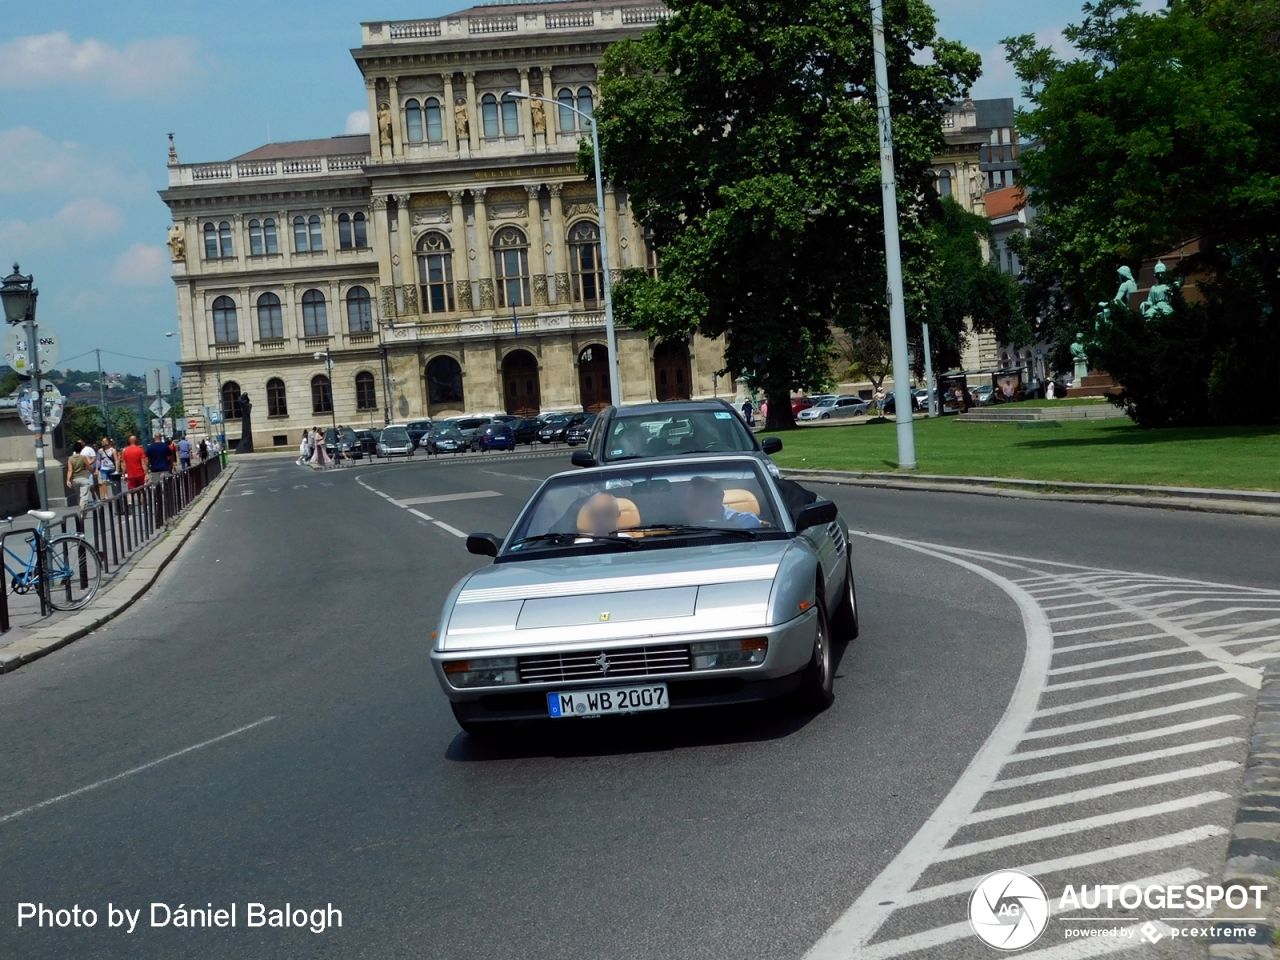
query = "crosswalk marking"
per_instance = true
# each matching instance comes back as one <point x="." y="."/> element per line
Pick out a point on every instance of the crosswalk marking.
<point x="1112" y="661"/>
<point x="1138" y="737"/>
<point x="1131" y="717"/>
<point x="1125" y="677"/>
<point x="1112" y="763"/>
<point x="1131" y="695"/>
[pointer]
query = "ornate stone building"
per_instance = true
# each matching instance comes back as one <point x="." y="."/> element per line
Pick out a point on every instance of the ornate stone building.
<point x="446" y="262"/>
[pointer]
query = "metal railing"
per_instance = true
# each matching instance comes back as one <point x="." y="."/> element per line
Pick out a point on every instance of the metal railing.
<point x="120" y="525"/>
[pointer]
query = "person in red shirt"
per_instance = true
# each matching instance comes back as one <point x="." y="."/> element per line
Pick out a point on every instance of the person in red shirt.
<point x="135" y="471"/>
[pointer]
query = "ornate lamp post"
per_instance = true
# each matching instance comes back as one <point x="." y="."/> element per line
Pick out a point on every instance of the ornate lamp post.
<point x="615" y="389"/>
<point x="19" y="297"/>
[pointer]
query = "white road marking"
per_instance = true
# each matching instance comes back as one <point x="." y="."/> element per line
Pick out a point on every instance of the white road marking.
<point x="419" y="513"/>
<point x="1125" y="738"/>
<point x="1063" y="773"/>
<point x="447" y="497"/>
<point x="963" y="850"/>
<point x="1131" y="695"/>
<point x="1110" y="643"/>
<point x="129" y="773"/>
<point x="1098" y="946"/>
<point x="385" y="496"/>
<point x="1071" y="606"/>
<point x="1136" y="675"/>
<point x="1112" y="661"/>
<point x="1130" y="717"/>
<point x="1104" y="626"/>
<point x="454" y="530"/>
<point x="1106" y="790"/>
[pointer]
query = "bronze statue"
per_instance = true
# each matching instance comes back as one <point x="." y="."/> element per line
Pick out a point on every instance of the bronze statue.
<point x="1128" y="287"/>
<point x="246" y="427"/>
<point x="1159" y="302"/>
<point x="1081" y="358"/>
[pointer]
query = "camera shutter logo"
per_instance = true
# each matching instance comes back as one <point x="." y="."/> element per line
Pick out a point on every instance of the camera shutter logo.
<point x="1009" y="910"/>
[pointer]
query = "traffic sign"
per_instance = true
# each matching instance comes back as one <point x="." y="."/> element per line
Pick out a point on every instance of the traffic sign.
<point x="51" y="408"/>
<point x="167" y="426"/>
<point x="16" y="347"/>
<point x="191" y="423"/>
<point x="213" y="414"/>
<point x="160" y="406"/>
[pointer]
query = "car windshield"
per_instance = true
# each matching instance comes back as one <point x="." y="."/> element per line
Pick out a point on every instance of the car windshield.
<point x="395" y="435"/>
<point x="471" y="424"/>
<point x="668" y="504"/>
<point x="661" y="434"/>
<point x="447" y="430"/>
<point x="555" y="422"/>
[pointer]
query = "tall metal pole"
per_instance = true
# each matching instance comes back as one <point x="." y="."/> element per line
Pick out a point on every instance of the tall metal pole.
<point x="892" y="252"/>
<point x="33" y="344"/>
<point x="932" y="395"/>
<point x="102" y="399"/>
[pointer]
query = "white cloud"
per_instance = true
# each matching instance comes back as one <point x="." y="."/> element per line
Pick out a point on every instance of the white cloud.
<point x="31" y="162"/>
<point x="357" y="122"/>
<point x="142" y="266"/>
<point x="157" y="66"/>
<point x="84" y="219"/>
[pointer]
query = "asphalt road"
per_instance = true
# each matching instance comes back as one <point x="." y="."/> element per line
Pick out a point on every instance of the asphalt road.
<point x="308" y="599"/>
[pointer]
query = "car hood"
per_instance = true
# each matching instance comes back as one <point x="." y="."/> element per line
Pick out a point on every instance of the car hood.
<point x="613" y="596"/>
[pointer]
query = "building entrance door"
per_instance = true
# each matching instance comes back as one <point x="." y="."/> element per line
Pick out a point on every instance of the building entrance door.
<point x="671" y="370"/>
<point x="593" y="378"/>
<point x="521" y="391"/>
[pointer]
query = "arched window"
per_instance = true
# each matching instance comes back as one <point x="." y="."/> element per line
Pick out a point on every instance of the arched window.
<point x="413" y="121"/>
<point x="315" y="321"/>
<point x="255" y="238"/>
<point x="568" y="119"/>
<point x="225" y="327"/>
<point x="231" y="409"/>
<point x="360" y="229"/>
<point x="269" y="235"/>
<point x="270" y="320"/>
<point x="584" y="262"/>
<point x="444" y="381"/>
<point x="435" y="272"/>
<point x="511" y="267"/>
<point x="366" y="396"/>
<point x="944" y="183"/>
<point x="435" y="126"/>
<point x="317" y="237"/>
<point x="321" y="394"/>
<point x="585" y="102"/>
<point x="510" y="116"/>
<point x="300" y="234"/>
<point x="344" y="231"/>
<point x="210" y="242"/>
<point x="224" y="239"/>
<point x="489" y="113"/>
<point x="359" y="310"/>
<point x="277" y="406"/>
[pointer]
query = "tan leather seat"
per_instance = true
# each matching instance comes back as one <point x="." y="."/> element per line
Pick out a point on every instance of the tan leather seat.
<point x="744" y="501"/>
<point x="628" y="516"/>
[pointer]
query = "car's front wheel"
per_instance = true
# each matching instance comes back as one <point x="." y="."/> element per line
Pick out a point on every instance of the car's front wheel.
<point x="815" y="692"/>
<point x="845" y="622"/>
<point x="826" y="416"/>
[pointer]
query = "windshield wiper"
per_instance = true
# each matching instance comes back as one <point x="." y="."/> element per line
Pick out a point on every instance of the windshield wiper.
<point x="571" y="538"/>
<point x="746" y="532"/>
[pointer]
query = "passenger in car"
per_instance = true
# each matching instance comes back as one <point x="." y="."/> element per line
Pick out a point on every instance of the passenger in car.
<point x="704" y="503"/>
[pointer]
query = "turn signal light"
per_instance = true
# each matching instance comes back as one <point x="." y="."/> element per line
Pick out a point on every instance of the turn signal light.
<point x="805" y="605"/>
<point x="457" y="666"/>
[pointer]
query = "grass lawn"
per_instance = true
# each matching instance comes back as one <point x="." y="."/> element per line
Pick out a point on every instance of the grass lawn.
<point x="1097" y="451"/>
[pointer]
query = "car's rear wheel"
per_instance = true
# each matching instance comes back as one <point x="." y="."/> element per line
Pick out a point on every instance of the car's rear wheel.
<point x="815" y="691"/>
<point x="845" y="622"/>
<point x="482" y="729"/>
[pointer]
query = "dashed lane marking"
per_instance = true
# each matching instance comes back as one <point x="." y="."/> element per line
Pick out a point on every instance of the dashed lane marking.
<point x="447" y="497"/>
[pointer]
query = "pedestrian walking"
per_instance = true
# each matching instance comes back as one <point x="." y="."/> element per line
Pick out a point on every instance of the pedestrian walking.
<point x="184" y="453"/>
<point x="106" y="469"/>
<point x="748" y="412"/>
<point x="157" y="459"/>
<point x="80" y="476"/>
<point x="319" y="455"/>
<point x="204" y="449"/>
<point x="135" y="464"/>
<point x="304" y="448"/>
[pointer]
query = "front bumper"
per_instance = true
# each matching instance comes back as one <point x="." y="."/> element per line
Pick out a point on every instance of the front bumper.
<point x="790" y="650"/>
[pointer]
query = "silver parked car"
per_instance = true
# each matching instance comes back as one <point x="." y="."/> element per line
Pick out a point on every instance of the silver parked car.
<point x="395" y="441"/>
<point x="644" y="586"/>
<point x="833" y="407"/>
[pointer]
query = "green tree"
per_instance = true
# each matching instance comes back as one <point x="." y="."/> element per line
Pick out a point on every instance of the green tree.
<point x="1165" y="127"/>
<point x="746" y="134"/>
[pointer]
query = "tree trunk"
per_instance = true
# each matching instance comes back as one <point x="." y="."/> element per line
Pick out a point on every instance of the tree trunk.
<point x="779" y="416"/>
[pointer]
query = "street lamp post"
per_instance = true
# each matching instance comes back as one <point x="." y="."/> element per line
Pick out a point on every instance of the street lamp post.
<point x="19" y="298"/>
<point x="615" y="388"/>
<point x="333" y="413"/>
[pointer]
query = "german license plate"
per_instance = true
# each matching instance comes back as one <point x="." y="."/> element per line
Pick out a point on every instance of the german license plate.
<point x="596" y="703"/>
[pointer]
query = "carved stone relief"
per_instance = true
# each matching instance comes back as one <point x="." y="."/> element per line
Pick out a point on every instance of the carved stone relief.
<point x="387" y="300"/>
<point x="580" y="209"/>
<point x="464" y="295"/>
<point x="562" y="288"/>
<point x="410" y="293"/>
<point x="487" y="301"/>
<point x="540" y="290"/>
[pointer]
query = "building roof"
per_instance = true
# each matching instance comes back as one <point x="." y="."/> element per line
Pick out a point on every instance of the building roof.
<point x="1004" y="202"/>
<point x="327" y="147"/>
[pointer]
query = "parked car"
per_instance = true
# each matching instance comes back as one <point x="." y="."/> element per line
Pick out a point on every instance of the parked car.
<point x="526" y="430"/>
<point x="800" y="403"/>
<point x="984" y="393"/>
<point x="834" y="407"/>
<point x="468" y="426"/>
<point x="445" y="437"/>
<point x="493" y="436"/>
<point x="342" y="441"/>
<point x="395" y="442"/>
<point x="418" y="429"/>
<point x="578" y="433"/>
<point x="554" y="428"/>
<point x="368" y="441"/>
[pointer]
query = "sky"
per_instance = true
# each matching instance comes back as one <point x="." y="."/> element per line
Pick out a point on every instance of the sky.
<point x="89" y="91"/>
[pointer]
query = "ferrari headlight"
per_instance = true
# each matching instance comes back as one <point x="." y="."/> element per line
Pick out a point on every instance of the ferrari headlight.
<point x="720" y="654"/>
<point x="482" y="673"/>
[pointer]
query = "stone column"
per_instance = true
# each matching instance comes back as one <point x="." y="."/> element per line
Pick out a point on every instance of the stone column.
<point x="292" y="323"/>
<point x="408" y="269"/>
<point x="240" y="239"/>
<point x="610" y="221"/>
<point x="526" y="116"/>
<point x="382" y="242"/>
<point x="473" y="111"/>
<point x="284" y="237"/>
<point x="484" y="253"/>
<point x="553" y="114"/>
<point x="559" y="252"/>
<point x="375" y="148"/>
<point x="461" y="263"/>
<point x="446" y="114"/>
<point x="330" y="225"/>
<point x="537" y="251"/>
<point x="393" y="101"/>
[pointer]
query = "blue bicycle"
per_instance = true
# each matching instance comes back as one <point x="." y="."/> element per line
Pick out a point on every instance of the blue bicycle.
<point x="72" y="567"/>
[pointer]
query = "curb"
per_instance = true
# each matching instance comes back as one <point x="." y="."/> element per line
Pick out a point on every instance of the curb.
<point x="1245" y="502"/>
<point x="1253" y="856"/>
<point x="145" y="571"/>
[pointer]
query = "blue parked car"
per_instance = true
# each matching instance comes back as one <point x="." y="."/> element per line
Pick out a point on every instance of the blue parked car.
<point x="493" y="436"/>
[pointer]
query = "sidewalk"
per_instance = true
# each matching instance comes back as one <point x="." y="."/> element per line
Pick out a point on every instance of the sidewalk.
<point x="33" y="636"/>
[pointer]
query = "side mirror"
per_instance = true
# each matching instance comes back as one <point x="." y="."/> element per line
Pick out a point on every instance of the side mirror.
<point x="483" y="544"/>
<point x="771" y="445"/>
<point x="813" y="515"/>
<point x="582" y="458"/>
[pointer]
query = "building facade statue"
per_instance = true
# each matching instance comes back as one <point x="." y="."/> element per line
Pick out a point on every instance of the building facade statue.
<point x="461" y="125"/>
<point x="177" y="243"/>
<point x="539" y="115"/>
<point x="384" y="124"/>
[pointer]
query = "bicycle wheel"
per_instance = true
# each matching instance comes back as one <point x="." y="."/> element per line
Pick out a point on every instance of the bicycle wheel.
<point x="73" y="571"/>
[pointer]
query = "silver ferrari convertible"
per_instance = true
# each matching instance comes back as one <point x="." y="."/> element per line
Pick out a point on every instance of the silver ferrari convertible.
<point x="654" y="585"/>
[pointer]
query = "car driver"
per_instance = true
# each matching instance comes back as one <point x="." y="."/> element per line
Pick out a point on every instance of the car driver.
<point x="704" y="504"/>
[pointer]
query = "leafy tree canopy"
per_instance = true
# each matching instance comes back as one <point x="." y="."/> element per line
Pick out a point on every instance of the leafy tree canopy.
<point x="746" y="134"/>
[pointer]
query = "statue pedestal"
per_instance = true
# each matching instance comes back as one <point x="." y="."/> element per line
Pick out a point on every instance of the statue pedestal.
<point x="1082" y="371"/>
<point x="1094" y="385"/>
